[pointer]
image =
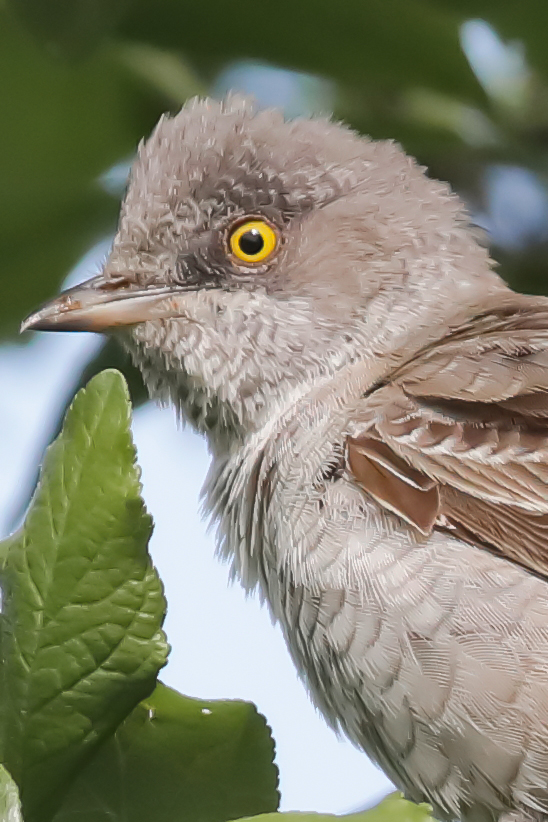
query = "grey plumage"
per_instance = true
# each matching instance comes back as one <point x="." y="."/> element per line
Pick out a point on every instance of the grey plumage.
<point x="376" y="403"/>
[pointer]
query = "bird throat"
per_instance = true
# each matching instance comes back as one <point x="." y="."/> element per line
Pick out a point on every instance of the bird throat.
<point x="195" y="402"/>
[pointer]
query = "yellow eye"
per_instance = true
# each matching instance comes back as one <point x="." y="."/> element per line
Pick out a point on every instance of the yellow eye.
<point x="253" y="241"/>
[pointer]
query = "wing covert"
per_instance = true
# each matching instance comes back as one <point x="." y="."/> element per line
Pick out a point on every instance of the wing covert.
<point x="458" y="438"/>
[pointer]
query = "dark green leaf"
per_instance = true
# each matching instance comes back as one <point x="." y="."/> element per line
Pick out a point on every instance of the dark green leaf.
<point x="82" y="603"/>
<point x="177" y="759"/>
<point x="72" y="27"/>
<point x="10" y="809"/>
<point x="62" y="127"/>
<point x="392" y="809"/>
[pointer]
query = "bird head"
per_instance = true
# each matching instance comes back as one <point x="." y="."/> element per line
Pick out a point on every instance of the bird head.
<point x="254" y="256"/>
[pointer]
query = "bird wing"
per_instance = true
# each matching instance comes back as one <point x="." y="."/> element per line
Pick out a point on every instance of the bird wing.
<point x="459" y="438"/>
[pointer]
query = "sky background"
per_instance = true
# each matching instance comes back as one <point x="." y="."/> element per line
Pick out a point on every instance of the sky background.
<point x="223" y="644"/>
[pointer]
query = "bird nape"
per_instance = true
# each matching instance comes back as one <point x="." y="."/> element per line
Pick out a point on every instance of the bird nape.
<point x="376" y="403"/>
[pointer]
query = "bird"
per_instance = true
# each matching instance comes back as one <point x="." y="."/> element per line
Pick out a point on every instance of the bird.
<point x="375" y="401"/>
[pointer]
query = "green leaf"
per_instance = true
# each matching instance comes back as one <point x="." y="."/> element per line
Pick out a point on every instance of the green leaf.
<point x="392" y="809"/>
<point x="177" y="759"/>
<point x="82" y="604"/>
<point x="10" y="808"/>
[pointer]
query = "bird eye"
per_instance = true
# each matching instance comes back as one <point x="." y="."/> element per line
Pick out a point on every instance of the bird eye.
<point x="253" y="241"/>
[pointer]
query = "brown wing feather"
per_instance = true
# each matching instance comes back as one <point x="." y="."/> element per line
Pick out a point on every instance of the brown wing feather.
<point x="393" y="483"/>
<point x="498" y="460"/>
<point x="516" y="534"/>
<point x="470" y="414"/>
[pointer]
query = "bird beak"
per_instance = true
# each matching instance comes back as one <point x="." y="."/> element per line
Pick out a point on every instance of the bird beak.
<point x="101" y="304"/>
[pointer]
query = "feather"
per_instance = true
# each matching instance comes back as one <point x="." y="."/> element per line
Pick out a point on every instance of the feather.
<point x="460" y="436"/>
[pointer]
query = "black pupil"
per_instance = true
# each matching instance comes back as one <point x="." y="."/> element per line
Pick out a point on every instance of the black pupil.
<point x="251" y="242"/>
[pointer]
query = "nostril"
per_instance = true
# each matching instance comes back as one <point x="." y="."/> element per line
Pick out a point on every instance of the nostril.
<point x="115" y="283"/>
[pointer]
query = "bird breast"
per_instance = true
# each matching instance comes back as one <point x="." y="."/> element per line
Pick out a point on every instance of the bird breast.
<point x="429" y="653"/>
